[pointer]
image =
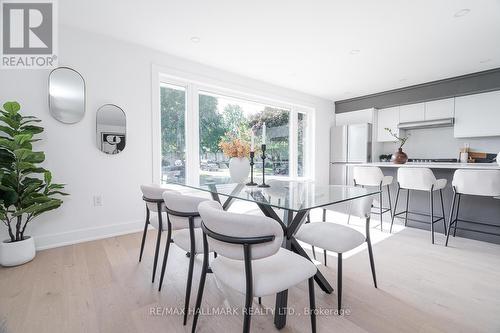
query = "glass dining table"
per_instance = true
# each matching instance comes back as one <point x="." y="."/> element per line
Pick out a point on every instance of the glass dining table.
<point x="293" y="200"/>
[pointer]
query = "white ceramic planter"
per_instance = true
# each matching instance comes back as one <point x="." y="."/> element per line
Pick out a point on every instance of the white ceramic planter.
<point x="239" y="168"/>
<point x="17" y="253"/>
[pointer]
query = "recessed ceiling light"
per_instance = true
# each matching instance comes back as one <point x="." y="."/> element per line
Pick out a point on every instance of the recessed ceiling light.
<point x="195" y="39"/>
<point x="354" y="52"/>
<point x="485" y="61"/>
<point x="462" y="12"/>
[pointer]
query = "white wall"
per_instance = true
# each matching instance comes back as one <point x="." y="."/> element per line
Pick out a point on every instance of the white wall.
<point x="118" y="73"/>
<point x="440" y="143"/>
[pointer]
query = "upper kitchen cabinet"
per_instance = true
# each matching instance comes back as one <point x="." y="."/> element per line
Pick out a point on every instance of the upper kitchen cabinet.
<point x="387" y="118"/>
<point x="477" y="115"/>
<point x="411" y="112"/>
<point x="441" y="109"/>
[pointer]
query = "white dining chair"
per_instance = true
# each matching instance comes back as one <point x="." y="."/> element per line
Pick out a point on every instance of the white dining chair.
<point x="250" y="258"/>
<point x="420" y="179"/>
<point x="184" y="227"/>
<point x="155" y="216"/>
<point x="340" y="239"/>
<point x="482" y="183"/>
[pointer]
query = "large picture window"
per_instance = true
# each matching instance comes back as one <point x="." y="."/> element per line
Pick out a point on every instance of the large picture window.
<point x="194" y="119"/>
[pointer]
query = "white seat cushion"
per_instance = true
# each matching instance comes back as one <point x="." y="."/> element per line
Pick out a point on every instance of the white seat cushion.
<point x="330" y="236"/>
<point x="440" y="184"/>
<point x="177" y="222"/>
<point x="270" y="275"/>
<point x="182" y="239"/>
<point x="387" y="180"/>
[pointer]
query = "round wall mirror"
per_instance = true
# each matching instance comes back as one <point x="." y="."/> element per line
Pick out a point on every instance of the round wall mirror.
<point x="111" y="129"/>
<point x="66" y="95"/>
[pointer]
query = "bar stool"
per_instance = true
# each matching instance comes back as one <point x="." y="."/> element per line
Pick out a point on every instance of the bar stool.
<point x="420" y="179"/>
<point x="374" y="177"/>
<point x="485" y="183"/>
<point x="185" y="221"/>
<point x="152" y="195"/>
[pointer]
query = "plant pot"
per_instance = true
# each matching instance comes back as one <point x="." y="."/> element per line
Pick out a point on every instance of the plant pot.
<point x="17" y="253"/>
<point x="399" y="157"/>
<point x="239" y="168"/>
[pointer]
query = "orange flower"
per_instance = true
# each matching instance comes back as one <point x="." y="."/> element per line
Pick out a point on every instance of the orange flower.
<point x="234" y="147"/>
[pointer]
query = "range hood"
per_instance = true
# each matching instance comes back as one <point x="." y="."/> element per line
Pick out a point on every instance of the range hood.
<point x="446" y="122"/>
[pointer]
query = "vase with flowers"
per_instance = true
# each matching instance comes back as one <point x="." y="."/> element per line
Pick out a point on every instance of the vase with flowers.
<point x="238" y="150"/>
<point x="399" y="157"/>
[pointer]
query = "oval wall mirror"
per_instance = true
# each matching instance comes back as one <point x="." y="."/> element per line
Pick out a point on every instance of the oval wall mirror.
<point x="66" y="95"/>
<point x="111" y="129"/>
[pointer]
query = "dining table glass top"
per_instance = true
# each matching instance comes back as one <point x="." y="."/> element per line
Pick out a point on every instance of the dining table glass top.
<point x="293" y="195"/>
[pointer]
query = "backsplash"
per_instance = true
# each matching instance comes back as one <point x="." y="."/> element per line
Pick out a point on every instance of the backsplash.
<point x="440" y="143"/>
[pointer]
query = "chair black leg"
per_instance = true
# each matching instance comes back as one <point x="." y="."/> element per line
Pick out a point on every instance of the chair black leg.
<point x="260" y="300"/>
<point x="339" y="282"/>
<point x="249" y="289"/>
<point x="372" y="263"/>
<point x="324" y="256"/>
<point x="312" y="304"/>
<point x="157" y="249"/>
<point x="381" y="208"/>
<point x="407" y="205"/>
<point x="165" y="256"/>
<point x="432" y="214"/>
<point x="395" y="208"/>
<point x="203" y="277"/>
<point x="442" y="211"/>
<point x="190" y="270"/>
<point x="146" y="223"/>
<point x="312" y="246"/>
<point x="389" y="197"/>
<point x="450" y="221"/>
<point x="456" y="215"/>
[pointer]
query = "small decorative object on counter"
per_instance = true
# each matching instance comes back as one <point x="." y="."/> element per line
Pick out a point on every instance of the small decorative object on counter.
<point x="237" y="149"/>
<point x="385" y="157"/>
<point x="464" y="153"/>
<point x="399" y="157"/>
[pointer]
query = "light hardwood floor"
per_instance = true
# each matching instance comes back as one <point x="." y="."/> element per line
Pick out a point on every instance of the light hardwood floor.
<point x="99" y="286"/>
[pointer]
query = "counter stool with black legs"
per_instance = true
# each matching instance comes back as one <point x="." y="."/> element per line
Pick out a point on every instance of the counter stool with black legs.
<point x="369" y="176"/>
<point x="420" y="179"/>
<point x="155" y="216"/>
<point x="484" y="183"/>
<point x="184" y="223"/>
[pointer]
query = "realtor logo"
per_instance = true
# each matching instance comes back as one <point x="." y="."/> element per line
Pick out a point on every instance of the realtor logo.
<point x="28" y="34"/>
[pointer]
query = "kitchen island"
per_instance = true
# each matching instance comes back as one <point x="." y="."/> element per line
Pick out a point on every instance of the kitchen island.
<point x="435" y="165"/>
<point x="473" y="208"/>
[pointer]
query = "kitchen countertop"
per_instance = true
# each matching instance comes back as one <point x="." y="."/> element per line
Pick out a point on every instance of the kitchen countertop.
<point x="434" y="165"/>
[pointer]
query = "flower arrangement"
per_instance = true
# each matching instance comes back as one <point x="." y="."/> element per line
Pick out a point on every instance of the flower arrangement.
<point x="233" y="145"/>
<point x="399" y="139"/>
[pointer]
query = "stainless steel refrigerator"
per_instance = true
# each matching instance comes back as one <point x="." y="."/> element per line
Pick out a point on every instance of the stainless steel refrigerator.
<point x="349" y="144"/>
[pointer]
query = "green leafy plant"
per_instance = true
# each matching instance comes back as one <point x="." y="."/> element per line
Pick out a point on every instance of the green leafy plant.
<point x="401" y="140"/>
<point x="26" y="189"/>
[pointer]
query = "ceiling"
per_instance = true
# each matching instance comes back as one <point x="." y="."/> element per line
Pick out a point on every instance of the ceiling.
<point x="329" y="48"/>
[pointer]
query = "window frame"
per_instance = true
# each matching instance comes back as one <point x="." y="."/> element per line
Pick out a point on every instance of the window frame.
<point x="194" y="85"/>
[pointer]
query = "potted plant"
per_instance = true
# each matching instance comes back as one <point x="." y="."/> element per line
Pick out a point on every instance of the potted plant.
<point x="238" y="150"/>
<point x="26" y="188"/>
<point x="399" y="157"/>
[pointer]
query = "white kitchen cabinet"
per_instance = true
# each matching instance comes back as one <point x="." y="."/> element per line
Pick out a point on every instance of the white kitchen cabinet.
<point x="389" y="118"/>
<point x="440" y="109"/>
<point x="411" y="112"/>
<point x="477" y="115"/>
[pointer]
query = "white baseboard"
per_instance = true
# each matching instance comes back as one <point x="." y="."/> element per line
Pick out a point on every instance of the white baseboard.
<point x="89" y="234"/>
